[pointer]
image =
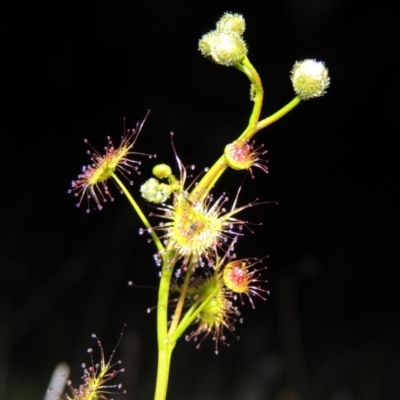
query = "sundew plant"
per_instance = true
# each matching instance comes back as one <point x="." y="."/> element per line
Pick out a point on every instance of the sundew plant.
<point x="203" y="283"/>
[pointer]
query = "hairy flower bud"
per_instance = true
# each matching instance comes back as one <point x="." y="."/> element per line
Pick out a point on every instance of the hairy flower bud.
<point x="309" y="78"/>
<point x="231" y="23"/>
<point x="154" y="191"/>
<point x="223" y="48"/>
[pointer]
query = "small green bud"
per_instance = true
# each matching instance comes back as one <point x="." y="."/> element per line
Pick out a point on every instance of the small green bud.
<point x="231" y="23"/>
<point x="309" y="78"/>
<point x="154" y="191"/>
<point x="162" y="171"/>
<point x="223" y="48"/>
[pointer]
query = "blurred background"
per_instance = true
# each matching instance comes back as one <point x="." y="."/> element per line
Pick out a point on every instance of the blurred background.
<point x="330" y="328"/>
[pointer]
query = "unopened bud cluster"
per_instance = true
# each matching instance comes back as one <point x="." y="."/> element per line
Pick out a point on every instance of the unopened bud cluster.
<point x="225" y="45"/>
<point x="154" y="191"/>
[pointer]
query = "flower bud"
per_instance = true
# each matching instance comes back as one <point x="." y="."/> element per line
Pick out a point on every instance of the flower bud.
<point x="309" y="78"/>
<point x="231" y="23"/>
<point x="154" y="191"/>
<point x="206" y="44"/>
<point x="162" y="171"/>
<point x="223" y="48"/>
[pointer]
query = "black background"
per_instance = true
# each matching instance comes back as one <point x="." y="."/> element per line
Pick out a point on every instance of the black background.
<point x="330" y="328"/>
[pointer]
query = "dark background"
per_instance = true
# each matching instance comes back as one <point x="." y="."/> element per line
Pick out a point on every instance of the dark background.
<point x="330" y="328"/>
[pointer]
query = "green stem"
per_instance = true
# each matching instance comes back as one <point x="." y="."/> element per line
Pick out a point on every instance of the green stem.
<point x="165" y="345"/>
<point x="279" y="114"/>
<point x="190" y="316"/>
<point x="252" y="130"/>
<point x="181" y="301"/>
<point x="183" y="322"/>
<point x="209" y="179"/>
<point x="164" y="362"/>
<point x="215" y="172"/>
<point x="258" y="93"/>
<point x="167" y="340"/>
<point x="136" y="207"/>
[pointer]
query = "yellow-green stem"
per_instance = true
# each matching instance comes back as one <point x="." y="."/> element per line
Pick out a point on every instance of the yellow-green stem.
<point x="209" y="179"/>
<point x="181" y="301"/>
<point x="187" y="315"/>
<point x="165" y="345"/>
<point x="167" y="340"/>
<point x="191" y="316"/>
<point x="215" y="172"/>
<point x="136" y="207"/>
<point x="164" y="362"/>
<point x="279" y="114"/>
<point x="258" y="93"/>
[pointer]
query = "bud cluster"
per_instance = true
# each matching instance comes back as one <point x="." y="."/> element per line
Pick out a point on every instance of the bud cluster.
<point x="225" y="45"/>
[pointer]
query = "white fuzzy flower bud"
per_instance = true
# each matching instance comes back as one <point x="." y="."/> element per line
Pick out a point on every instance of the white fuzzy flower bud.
<point x="224" y="48"/>
<point x="231" y="23"/>
<point x="309" y="78"/>
<point x="154" y="191"/>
